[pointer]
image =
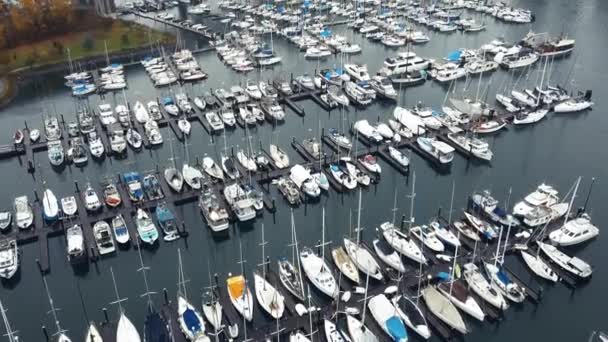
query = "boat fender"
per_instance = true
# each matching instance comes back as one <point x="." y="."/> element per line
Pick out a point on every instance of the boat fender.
<point x="346" y="296"/>
<point x="390" y="290"/>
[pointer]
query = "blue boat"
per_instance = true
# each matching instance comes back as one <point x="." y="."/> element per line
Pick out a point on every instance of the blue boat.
<point x="133" y="182"/>
<point x="167" y="222"/>
<point x="386" y="315"/>
<point x="155" y="328"/>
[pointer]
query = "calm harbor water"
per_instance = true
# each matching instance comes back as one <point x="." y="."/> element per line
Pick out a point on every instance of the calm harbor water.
<point x="556" y="150"/>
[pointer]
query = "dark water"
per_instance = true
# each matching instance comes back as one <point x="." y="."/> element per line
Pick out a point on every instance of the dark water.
<point x="556" y="150"/>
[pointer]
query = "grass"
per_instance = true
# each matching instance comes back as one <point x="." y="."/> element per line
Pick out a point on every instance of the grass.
<point x="118" y="35"/>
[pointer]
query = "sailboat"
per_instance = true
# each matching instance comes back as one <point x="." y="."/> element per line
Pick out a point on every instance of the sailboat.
<point x="412" y="316"/>
<point x="289" y="271"/>
<point x="539" y="266"/>
<point x="126" y="331"/>
<point x="441" y="307"/>
<point x="61" y="333"/>
<point x="190" y="320"/>
<point x="385" y="314"/>
<point x="345" y="264"/>
<point x="93" y="334"/>
<point x="212" y="308"/>
<point x="316" y="268"/>
<point x="50" y="206"/>
<point x="239" y="292"/>
<point x="458" y="293"/>
<point x="172" y="175"/>
<point x="333" y="334"/>
<point x="269" y="298"/>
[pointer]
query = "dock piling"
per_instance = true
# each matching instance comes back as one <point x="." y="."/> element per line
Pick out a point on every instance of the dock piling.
<point x="76" y="186"/>
<point x="36" y="196"/>
<point x="45" y="332"/>
<point x="166" y="295"/>
<point x="105" y="315"/>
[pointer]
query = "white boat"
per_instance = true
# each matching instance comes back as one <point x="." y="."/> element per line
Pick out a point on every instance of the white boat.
<point x="345" y="264"/>
<point x="247" y="162"/>
<point x="91" y="200"/>
<point x="489" y="126"/>
<point x="200" y="103"/>
<point x="530" y="117"/>
<point x="24" y="215"/>
<point x="318" y="272"/>
<point x="401" y="243"/>
<point x="69" y="206"/>
<point x="387" y="318"/>
<point x="573" y="105"/>
<point x="55" y="153"/>
<point x="482" y="287"/>
<point x="502" y="282"/>
<point x="174" y="178"/>
<point x="573" y="265"/>
<point x="482" y="227"/>
<point x="280" y="158"/>
<point x="371" y="163"/>
<point x="368" y="131"/>
<point x="388" y="255"/>
<point x="427" y="236"/>
<point x="50" y="206"/>
<point x="241" y="203"/>
<point x="398" y="156"/>
<point x="212" y="310"/>
<point x="475" y="146"/>
<point x="539" y="266"/>
<point x="544" y="195"/>
<point x="444" y="234"/>
<point x="9" y="258"/>
<point x="363" y="259"/>
<point x="441" y="307"/>
<point x="342" y="177"/>
<point x="6" y="218"/>
<point x="411" y="314"/>
<point x="458" y="293"/>
<point x="145" y="227"/>
<point x="134" y="138"/>
<point x="190" y="321"/>
<point x="141" y="113"/>
<point x="184" y="125"/>
<point x="269" y="298"/>
<point x="439" y="150"/>
<point x="303" y="179"/>
<point x="93" y="334"/>
<point x="448" y="72"/>
<point x="96" y="145"/>
<point x="355" y="173"/>
<point x="153" y="133"/>
<point x="126" y="331"/>
<point x="357" y="71"/>
<point x="119" y="227"/>
<point x="411" y="121"/>
<point x="214" y="121"/>
<point x="212" y="169"/>
<point x="298" y="337"/>
<point x="332" y="334"/>
<point x="575" y="231"/>
<point x="34" y="135"/>
<point x="358" y="331"/>
<point x="240" y="296"/>
<point x="103" y="237"/>
<point x="466" y="230"/>
<point x="106" y="114"/>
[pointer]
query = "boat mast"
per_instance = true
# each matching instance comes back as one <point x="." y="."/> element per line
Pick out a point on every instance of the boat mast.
<point x="296" y="252"/>
<point x="452" y="205"/>
<point x="578" y="180"/>
<point x="181" y="282"/>
<point x="394" y="210"/>
<point x="588" y="194"/>
<point x="118" y="299"/>
<point x="359" y="219"/>
<point x="502" y="259"/>
<point x="412" y="197"/>
<point x="454" y="266"/>
<point x="12" y="335"/>
<point x="53" y="309"/>
<point x="264" y="262"/>
<point x="498" y="246"/>
<point x="143" y="270"/>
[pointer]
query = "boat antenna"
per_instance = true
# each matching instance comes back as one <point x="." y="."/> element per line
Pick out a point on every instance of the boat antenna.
<point x="12" y="335"/>
<point x="588" y="194"/>
<point x="118" y="299"/>
<point x="53" y="310"/>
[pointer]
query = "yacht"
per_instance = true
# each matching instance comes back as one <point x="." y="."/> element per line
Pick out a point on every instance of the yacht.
<point x="448" y="72"/>
<point x="484" y="202"/>
<point x="106" y="115"/>
<point x="317" y="52"/>
<point x="358" y="72"/>
<point x="575" y="231"/>
<point x="153" y="132"/>
<point x="304" y="181"/>
<point x="9" y="258"/>
<point x="24" y="215"/>
<point x="241" y="204"/>
<point x="572" y="265"/>
<point x="358" y="94"/>
<point x="484" y="228"/>
<point x="50" y="207"/>
<point x="544" y="195"/>
<point x="215" y="215"/>
<point x="103" y="237"/>
<point x="439" y="150"/>
<point x="118" y="143"/>
<point x="368" y="131"/>
<point x="388" y="255"/>
<point x="212" y="169"/>
<point x="383" y="87"/>
<point x="477" y="147"/>
<point x="134" y="187"/>
<point x="52" y="129"/>
<point x="91" y="200"/>
<point x="134" y="138"/>
<point x="523" y="58"/>
<point x="409" y="120"/>
<point x="145" y="227"/>
<point x="537" y="265"/>
<point x="75" y="244"/>
<point x="404" y="62"/>
<point x="339" y="139"/>
<point x="55" y="153"/>
<point x="444" y="234"/>
<point x="96" y="145"/>
<point x="399" y="157"/>
<point x="119" y="227"/>
<point x="342" y="177"/>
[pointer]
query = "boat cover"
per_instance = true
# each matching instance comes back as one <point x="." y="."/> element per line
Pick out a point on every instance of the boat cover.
<point x="236" y="286"/>
<point x="395" y="327"/>
<point x="192" y="321"/>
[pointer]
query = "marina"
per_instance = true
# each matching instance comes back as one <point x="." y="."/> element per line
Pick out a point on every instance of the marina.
<point x="452" y="192"/>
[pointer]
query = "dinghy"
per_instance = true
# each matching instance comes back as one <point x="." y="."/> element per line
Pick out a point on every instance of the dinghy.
<point x="240" y="296"/>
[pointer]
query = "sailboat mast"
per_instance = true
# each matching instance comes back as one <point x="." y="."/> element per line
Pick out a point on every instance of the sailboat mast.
<point x="143" y="270"/>
<point x="359" y="219"/>
<point x="452" y="204"/>
<point x="365" y="298"/>
<point x="323" y="236"/>
<point x="412" y="196"/>
<point x="498" y="246"/>
<point x="454" y="266"/>
<point x="118" y="299"/>
<point x="572" y="200"/>
<point x="9" y="331"/>
<point x="297" y="252"/>
<point x="394" y="207"/>
<point x="53" y="309"/>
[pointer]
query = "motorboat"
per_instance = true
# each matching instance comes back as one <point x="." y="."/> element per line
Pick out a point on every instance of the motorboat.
<point x="111" y="195"/>
<point x="52" y="130"/>
<point x="9" y="258"/>
<point x="134" y="138"/>
<point x="247" y="162"/>
<point x="349" y="168"/>
<point x="448" y="72"/>
<point x="214" y="121"/>
<point x="134" y="187"/>
<point x="477" y="147"/>
<point x="484" y="202"/>
<point x="363" y="259"/>
<point x="439" y="150"/>
<point x="228" y="117"/>
<point x="368" y="131"/>
<point x="358" y="72"/>
<point x="383" y="87"/>
<point x="91" y="200"/>
<point x="482" y="287"/>
<point x="34" y="135"/>
<point x="96" y="145"/>
<point x="240" y="202"/>
<point x="388" y="255"/>
<point x="50" y="207"/>
<point x="572" y="265"/>
<point x="398" y="156"/>
<point x="539" y="266"/>
<point x="321" y="179"/>
<point x="240" y="296"/>
<point x="543" y="196"/>
<point x="574" y="231"/>
<point x="18" y="137"/>
<point x="55" y="153"/>
<point x="212" y="169"/>
<point x="484" y="228"/>
<point x="411" y="315"/>
<point x="200" y="103"/>
<point x="411" y="121"/>
<point x="342" y="177"/>
<point x="152" y="188"/>
<point x="75" y="244"/>
<point x="402" y="243"/>
<point x="145" y="227"/>
<point x="427" y="236"/>
<point x="106" y="115"/>
<point x="215" y="215"/>
<point x="336" y="94"/>
<point x="269" y="298"/>
<point x="119" y="227"/>
<point x="542" y="215"/>
<point x="190" y="321"/>
<point x="305" y="81"/>
<point x="304" y="181"/>
<point x="289" y="190"/>
<point x="153" y="111"/>
<point x="229" y="167"/>
<point x="24" y="215"/>
<point x="170" y="107"/>
<point x="103" y="237"/>
<point x="184" y="125"/>
<point x="6" y="218"/>
<point x="502" y="282"/>
<point x="253" y="90"/>
<point x="441" y="307"/>
<point x="118" y="144"/>
<point x="152" y="131"/>
<point x="274" y="112"/>
<point x="167" y="222"/>
<point x="370" y="163"/>
<point x="521" y="59"/>
<point x="359" y="94"/>
<point x="400" y="129"/>
<point x="457" y="292"/>
<point x="318" y="272"/>
<point x="280" y="158"/>
<point x="339" y="139"/>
